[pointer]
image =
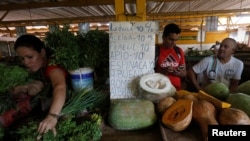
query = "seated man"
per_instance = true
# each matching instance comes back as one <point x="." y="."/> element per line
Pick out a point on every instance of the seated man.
<point x="223" y="67"/>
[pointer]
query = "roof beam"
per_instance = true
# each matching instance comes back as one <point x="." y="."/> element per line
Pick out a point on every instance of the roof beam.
<point x="67" y="3"/>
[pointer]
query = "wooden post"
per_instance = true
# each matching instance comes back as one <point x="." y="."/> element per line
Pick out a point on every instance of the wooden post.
<point x="122" y="16"/>
<point x="141" y="10"/>
<point x="119" y="9"/>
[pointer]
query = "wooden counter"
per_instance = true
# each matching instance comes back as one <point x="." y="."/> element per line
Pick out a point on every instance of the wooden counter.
<point x="192" y="133"/>
<point x="155" y="133"/>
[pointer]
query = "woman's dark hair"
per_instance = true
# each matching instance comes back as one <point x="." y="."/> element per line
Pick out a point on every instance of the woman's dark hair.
<point x="171" y="28"/>
<point x="30" y="41"/>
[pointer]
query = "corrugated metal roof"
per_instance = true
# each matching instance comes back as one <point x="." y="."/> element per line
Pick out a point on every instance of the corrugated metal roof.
<point x="187" y="13"/>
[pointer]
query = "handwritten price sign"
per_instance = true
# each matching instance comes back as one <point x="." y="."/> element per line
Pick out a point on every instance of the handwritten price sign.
<point x="132" y="50"/>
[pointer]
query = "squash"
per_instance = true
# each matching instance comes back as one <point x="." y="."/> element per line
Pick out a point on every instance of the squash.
<point x="131" y="114"/>
<point x="204" y="114"/>
<point x="182" y="92"/>
<point x="233" y="116"/>
<point x="164" y="104"/>
<point x="240" y="101"/>
<point x="217" y="103"/>
<point x="155" y="86"/>
<point x="179" y="115"/>
<point x="190" y="97"/>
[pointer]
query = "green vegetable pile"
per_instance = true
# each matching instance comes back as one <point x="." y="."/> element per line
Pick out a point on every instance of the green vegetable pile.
<point x="82" y="100"/>
<point x="68" y="129"/>
<point x="12" y="76"/>
<point x="70" y="126"/>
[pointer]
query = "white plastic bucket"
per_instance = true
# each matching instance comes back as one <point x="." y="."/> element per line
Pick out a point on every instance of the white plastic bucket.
<point x="82" y="78"/>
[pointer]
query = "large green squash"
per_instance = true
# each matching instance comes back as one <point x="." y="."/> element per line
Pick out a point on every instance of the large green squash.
<point x="240" y="101"/>
<point x="244" y="87"/>
<point x="131" y="114"/>
<point x="218" y="90"/>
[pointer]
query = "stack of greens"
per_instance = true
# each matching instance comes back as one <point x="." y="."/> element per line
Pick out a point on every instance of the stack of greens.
<point x="67" y="130"/>
<point x="12" y="76"/>
<point x="64" y="47"/>
<point x="84" y="99"/>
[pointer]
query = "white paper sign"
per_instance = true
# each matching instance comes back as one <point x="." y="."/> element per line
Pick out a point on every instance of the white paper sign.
<point x="131" y="55"/>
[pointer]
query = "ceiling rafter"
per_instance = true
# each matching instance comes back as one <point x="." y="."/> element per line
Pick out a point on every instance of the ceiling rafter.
<point x="187" y="13"/>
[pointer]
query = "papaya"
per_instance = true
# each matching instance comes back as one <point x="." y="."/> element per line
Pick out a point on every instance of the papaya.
<point x="218" y="90"/>
<point x="216" y="102"/>
<point x="179" y="115"/>
<point x="131" y="114"/>
<point x="240" y="101"/>
<point x="244" y="88"/>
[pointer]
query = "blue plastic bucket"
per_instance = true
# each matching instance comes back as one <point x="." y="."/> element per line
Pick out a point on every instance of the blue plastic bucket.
<point x="82" y="78"/>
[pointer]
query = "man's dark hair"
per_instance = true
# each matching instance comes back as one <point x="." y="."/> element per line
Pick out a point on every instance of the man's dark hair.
<point x="171" y="28"/>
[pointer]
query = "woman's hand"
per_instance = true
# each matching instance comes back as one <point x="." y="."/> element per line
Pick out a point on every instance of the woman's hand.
<point x="49" y="123"/>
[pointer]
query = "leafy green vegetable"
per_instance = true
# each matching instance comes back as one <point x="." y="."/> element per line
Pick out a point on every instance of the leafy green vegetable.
<point x="12" y="76"/>
<point x="83" y="99"/>
<point x="68" y="129"/>
<point x="94" y="45"/>
<point x="64" y="47"/>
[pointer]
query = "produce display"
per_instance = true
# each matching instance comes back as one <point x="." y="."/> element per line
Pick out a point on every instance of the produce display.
<point x="207" y="109"/>
<point x="159" y="101"/>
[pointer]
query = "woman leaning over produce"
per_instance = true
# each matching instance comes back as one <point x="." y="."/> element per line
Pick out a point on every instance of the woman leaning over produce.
<point x="34" y="56"/>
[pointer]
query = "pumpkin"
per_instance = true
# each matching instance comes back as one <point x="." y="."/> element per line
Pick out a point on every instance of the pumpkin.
<point x="164" y="104"/>
<point x="204" y="114"/>
<point x="233" y="116"/>
<point x="217" y="103"/>
<point x="179" y="115"/>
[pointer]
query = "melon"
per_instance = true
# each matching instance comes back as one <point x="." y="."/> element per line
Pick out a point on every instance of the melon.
<point x="240" y="101"/>
<point x="218" y="90"/>
<point x="131" y="114"/>
<point x="244" y="87"/>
